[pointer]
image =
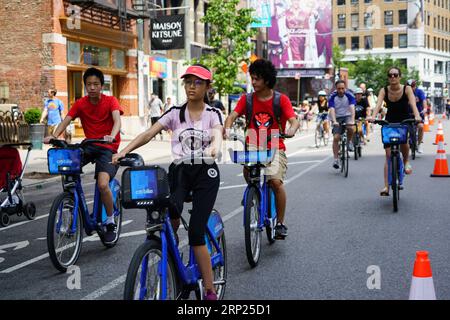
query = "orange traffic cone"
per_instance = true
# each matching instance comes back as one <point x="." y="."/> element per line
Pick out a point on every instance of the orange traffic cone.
<point x="422" y="287"/>
<point x="439" y="134"/>
<point x="440" y="164"/>
<point x="426" y="125"/>
<point x="432" y="119"/>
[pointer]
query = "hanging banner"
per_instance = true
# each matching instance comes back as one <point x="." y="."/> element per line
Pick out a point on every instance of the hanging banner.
<point x="158" y="67"/>
<point x="416" y="29"/>
<point x="301" y="34"/>
<point x="261" y="13"/>
<point x="167" y="32"/>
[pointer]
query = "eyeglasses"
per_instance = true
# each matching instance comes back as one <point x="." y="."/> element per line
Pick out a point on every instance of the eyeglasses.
<point x="197" y="83"/>
<point x="393" y="75"/>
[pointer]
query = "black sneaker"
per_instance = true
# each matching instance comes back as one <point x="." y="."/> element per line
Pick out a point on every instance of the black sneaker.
<point x="111" y="232"/>
<point x="280" y="231"/>
<point x="336" y="164"/>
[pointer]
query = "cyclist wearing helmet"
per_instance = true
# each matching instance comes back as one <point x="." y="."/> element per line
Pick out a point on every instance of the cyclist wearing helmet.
<point x="323" y="112"/>
<point x="421" y="106"/>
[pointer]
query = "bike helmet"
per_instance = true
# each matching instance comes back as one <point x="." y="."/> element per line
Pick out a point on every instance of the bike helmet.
<point x="411" y="82"/>
<point x="322" y="93"/>
<point x="358" y="90"/>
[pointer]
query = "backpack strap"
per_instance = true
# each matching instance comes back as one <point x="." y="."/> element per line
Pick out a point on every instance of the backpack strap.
<point x="248" y="109"/>
<point x="277" y="108"/>
<point x="182" y="113"/>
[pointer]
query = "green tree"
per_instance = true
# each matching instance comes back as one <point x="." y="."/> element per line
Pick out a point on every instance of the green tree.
<point x="230" y="31"/>
<point x="373" y="71"/>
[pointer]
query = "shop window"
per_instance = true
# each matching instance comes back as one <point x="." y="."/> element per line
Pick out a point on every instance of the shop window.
<point x="118" y="59"/>
<point x="73" y="52"/>
<point x="96" y="56"/>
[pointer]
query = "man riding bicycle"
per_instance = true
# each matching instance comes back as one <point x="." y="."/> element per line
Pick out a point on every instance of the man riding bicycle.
<point x="421" y="106"/>
<point x="362" y="110"/>
<point x="264" y="123"/>
<point x="100" y="118"/>
<point x="342" y="110"/>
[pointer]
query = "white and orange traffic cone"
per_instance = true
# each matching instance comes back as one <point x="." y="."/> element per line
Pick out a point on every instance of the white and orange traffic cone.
<point x="440" y="163"/>
<point x="432" y="119"/>
<point x="426" y="125"/>
<point x="439" y="134"/>
<point x="422" y="287"/>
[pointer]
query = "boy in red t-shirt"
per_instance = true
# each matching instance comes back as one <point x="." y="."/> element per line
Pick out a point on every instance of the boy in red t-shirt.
<point x="263" y="124"/>
<point x="100" y="118"/>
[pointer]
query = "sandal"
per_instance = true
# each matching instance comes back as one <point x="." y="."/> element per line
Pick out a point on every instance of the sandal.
<point x="408" y="168"/>
<point x="384" y="192"/>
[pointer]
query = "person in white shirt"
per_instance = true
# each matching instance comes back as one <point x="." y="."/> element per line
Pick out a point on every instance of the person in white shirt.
<point x="155" y="107"/>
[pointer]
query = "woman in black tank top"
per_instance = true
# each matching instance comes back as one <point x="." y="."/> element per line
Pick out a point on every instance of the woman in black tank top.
<point x="397" y="112"/>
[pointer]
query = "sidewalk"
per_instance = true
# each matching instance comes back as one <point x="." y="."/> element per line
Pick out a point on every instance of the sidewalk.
<point x="37" y="176"/>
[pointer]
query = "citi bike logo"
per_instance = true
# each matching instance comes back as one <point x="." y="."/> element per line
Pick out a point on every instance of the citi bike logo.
<point x="144" y="191"/>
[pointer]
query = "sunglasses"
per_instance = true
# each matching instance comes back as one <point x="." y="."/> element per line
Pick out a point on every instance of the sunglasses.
<point x="197" y="83"/>
<point x="393" y="75"/>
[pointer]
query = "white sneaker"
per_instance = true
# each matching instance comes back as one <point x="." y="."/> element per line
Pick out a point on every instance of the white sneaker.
<point x="420" y="148"/>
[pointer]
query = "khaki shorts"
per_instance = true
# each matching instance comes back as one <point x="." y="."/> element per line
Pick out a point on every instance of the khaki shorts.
<point x="278" y="167"/>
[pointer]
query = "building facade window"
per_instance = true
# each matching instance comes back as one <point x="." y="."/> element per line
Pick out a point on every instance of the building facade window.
<point x="368" y="42"/>
<point x="118" y="59"/>
<point x="341" y="2"/>
<point x="341" y="21"/>
<point x="368" y="20"/>
<point x="403" y="40"/>
<point x="388" y="41"/>
<point x="342" y="42"/>
<point x="73" y="52"/>
<point x="96" y="56"/>
<point x="389" y="18"/>
<point x="355" y="20"/>
<point x="355" y="43"/>
<point x="402" y="16"/>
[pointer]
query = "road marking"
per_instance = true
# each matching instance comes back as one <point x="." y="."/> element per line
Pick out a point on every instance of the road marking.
<point x="16" y="246"/>
<point x="113" y="284"/>
<point x="303" y="162"/>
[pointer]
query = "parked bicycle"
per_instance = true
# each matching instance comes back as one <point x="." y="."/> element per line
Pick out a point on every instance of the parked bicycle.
<point x="157" y="270"/>
<point x="395" y="134"/>
<point x="69" y="212"/>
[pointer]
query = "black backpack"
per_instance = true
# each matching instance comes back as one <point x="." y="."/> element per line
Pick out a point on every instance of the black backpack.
<point x="276" y="108"/>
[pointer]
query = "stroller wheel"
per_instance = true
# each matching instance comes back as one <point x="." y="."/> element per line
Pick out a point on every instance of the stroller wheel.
<point x="30" y="210"/>
<point x="4" y="219"/>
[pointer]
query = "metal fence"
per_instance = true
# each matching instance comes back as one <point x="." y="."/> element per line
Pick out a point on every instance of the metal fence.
<point x="13" y="128"/>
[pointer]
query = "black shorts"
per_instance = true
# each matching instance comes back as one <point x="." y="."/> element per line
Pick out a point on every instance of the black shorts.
<point x="102" y="158"/>
<point x="203" y="180"/>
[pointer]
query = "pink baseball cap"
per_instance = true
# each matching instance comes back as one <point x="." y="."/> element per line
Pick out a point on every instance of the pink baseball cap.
<point x="198" y="71"/>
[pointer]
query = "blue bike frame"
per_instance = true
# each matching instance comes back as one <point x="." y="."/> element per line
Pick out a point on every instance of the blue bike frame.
<point x="90" y="223"/>
<point x="189" y="274"/>
<point x="264" y="208"/>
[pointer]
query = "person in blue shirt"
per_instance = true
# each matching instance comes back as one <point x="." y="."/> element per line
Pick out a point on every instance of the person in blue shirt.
<point x="341" y="110"/>
<point x="421" y="106"/>
<point x="53" y="111"/>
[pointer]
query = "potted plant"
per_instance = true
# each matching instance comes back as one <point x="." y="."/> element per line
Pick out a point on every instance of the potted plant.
<point x="37" y="130"/>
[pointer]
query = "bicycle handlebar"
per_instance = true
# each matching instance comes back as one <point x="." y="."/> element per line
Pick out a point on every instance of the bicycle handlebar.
<point x="385" y="123"/>
<point x="202" y="158"/>
<point x="64" y="144"/>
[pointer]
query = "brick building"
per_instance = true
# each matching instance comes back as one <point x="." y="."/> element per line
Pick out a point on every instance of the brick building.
<point x="58" y="40"/>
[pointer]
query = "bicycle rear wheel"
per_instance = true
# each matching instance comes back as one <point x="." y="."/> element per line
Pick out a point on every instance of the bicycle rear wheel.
<point x="144" y="280"/>
<point x="252" y="232"/>
<point x="63" y="243"/>
<point x="356" y="145"/>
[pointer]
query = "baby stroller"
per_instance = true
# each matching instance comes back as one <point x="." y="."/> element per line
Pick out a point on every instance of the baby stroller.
<point x="11" y="173"/>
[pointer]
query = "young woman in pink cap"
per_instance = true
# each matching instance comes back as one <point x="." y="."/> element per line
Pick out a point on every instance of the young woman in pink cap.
<point x="197" y="131"/>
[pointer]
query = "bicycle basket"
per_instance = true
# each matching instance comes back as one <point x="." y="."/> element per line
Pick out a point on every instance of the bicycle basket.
<point x="64" y="161"/>
<point x="260" y="157"/>
<point x="397" y="134"/>
<point x="144" y="187"/>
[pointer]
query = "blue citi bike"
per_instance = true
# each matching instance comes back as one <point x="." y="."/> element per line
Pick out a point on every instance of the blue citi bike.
<point x="259" y="199"/>
<point x="395" y="134"/>
<point x="157" y="270"/>
<point x="69" y="212"/>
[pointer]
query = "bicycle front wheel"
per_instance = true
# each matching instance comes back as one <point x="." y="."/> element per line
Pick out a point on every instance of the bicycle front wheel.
<point x="252" y="232"/>
<point x="220" y="271"/>
<point x="144" y="278"/>
<point x="64" y="236"/>
<point x="394" y="182"/>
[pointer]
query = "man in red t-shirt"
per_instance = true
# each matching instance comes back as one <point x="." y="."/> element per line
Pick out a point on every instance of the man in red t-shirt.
<point x="263" y="124"/>
<point x="100" y="118"/>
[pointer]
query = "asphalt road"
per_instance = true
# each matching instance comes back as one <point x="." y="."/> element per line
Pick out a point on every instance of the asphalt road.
<point x="338" y="228"/>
